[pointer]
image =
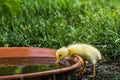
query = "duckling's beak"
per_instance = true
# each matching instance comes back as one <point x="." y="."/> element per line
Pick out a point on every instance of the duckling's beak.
<point x="58" y="61"/>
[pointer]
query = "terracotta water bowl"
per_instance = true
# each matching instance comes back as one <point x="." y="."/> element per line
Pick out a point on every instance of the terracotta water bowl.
<point x="34" y="56"/>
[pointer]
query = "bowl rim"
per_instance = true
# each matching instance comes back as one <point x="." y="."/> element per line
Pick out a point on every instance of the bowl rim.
<point x="44" y="73"/>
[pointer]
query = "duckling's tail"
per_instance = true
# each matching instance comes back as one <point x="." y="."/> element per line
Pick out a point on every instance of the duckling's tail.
<point x="99" y="55"/>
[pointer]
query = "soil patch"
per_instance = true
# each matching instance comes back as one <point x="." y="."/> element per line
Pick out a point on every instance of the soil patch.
<point x="105" y="71"/>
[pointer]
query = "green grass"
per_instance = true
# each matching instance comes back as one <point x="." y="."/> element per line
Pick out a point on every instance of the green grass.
<point x="56" y="23"/>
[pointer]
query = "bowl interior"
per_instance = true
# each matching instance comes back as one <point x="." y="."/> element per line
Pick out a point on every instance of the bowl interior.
<point x="26" y="56"/>
<point x="29" y="60"/>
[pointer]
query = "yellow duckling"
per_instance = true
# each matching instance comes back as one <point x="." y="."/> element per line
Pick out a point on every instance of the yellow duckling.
<point x="87" y="52"/>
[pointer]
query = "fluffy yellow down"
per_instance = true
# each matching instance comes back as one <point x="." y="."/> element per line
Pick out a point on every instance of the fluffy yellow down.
<point x="87" y="52"/>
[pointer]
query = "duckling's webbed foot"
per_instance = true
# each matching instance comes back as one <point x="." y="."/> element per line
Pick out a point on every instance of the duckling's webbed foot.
<point x="82" y="71"/>
<point x="91" y="75"/>
<point x="94" y="71"/>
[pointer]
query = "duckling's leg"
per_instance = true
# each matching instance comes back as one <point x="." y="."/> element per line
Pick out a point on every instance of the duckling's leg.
<point x="83" y="70"/>
<point x="94" y="71"/>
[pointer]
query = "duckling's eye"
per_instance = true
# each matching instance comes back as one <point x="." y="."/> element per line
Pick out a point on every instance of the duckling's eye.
<point x="60" y="55"/>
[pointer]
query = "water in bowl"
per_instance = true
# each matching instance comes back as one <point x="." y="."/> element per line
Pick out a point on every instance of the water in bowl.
<point x="23" y="69"/>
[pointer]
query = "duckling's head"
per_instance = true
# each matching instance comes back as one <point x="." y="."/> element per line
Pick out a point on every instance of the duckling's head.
<point x="61" y="54"/>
